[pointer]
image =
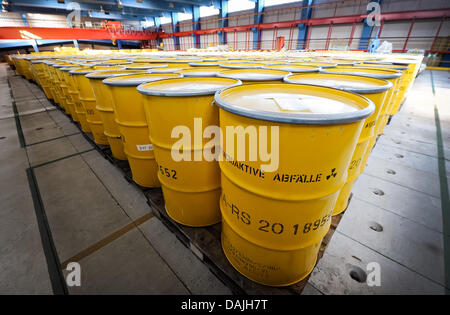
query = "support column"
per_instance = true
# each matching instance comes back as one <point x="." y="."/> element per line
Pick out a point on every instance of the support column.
<point x="157" y="22"/>
<point x="196" y="25"/>
<point x="24" y="19"/>
<point x="35" y="45"/>
<point x="258" y="19"/>
<point x="175" y="29"/>
<point x="224" y="21"/>
<point x="366" y="32"/>
<point x="303" y="28"/>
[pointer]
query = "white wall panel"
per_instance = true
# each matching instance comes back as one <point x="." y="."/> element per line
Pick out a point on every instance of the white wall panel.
<point x="11" y="19"/>
<point x="318" y="37"/>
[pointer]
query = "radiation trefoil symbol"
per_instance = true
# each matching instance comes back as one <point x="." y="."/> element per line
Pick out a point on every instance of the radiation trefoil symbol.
<point x="333" y="174"/>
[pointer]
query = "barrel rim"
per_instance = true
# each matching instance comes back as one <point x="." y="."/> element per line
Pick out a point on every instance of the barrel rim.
<point x="306" y="119"/>
<point x="374" y="90"/>
<point x="370" y="75"/>
<point x="125" y="84"/>
<point x="186" y="93"/>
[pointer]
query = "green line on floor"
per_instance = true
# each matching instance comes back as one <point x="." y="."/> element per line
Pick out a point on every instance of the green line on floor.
<point x="445" y="198"/>
<point x="51" y="256"/>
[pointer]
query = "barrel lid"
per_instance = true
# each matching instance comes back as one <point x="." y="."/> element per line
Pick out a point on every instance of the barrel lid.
<point x="204" y="64"/>
<point x="200" y="72"/>
<point x="365" y="72"/>
<point x="242" y="65"/>
<point x="146" y="65"/>
<point x="350" y="83"/>
<point x="293" y="68"/>
<point x="187" y="86"/>
<point x="297" y="104"/>
<point x="254" y="74"/>
<point x="316" y="63"/>
<point x="103" y="74"/>
<point x="136" y="79"/>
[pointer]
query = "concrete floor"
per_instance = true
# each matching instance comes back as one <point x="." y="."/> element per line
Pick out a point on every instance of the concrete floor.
<point x="97" y="218"/>
<point x="404" y="167"/>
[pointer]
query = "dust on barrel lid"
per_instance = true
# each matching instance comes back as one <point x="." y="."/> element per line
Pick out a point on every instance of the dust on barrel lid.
<point x="295" y="103"/>
<point x="187" y="86"/>
<point x="254" y="74"/>
<point x="350" y="83"/>
<point x="136" y="79"/>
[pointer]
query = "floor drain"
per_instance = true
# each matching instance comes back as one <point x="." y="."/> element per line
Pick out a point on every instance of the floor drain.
<point x="392" y="172"/>
<point x="378" y="192"/>
<point x="399" y="156"/>
<point x="358" y="274"/>
<point x="376" y="227"/>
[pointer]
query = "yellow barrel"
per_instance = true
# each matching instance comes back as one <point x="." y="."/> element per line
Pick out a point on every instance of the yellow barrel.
<point x="293" y="68"/>
<point x="130" y="117"/>
<point x="390" y="75"/>
<point x="375" y="90"/>
<point x="276" y="210"/>
<point x="191" y="186"/>
<point x="80" y="112"/>
<point x="106" y="110"/>
<point x="65" y="97"/>
<point x="54" y="84"/>
<point x="70" y="97"/>
<point x="43" y="77"/>
<point x="201" y="72"/>
<point x="87" y="99"/>
<point x="253" y="76"/>
<point x="405" y="81"/>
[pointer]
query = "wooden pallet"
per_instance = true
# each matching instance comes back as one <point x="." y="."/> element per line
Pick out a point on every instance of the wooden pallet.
<point x="205" y="242"/>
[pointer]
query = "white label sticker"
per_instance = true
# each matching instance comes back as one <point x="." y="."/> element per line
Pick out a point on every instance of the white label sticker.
<point x="294" y="104"/>
<point x="144" y="147"/>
